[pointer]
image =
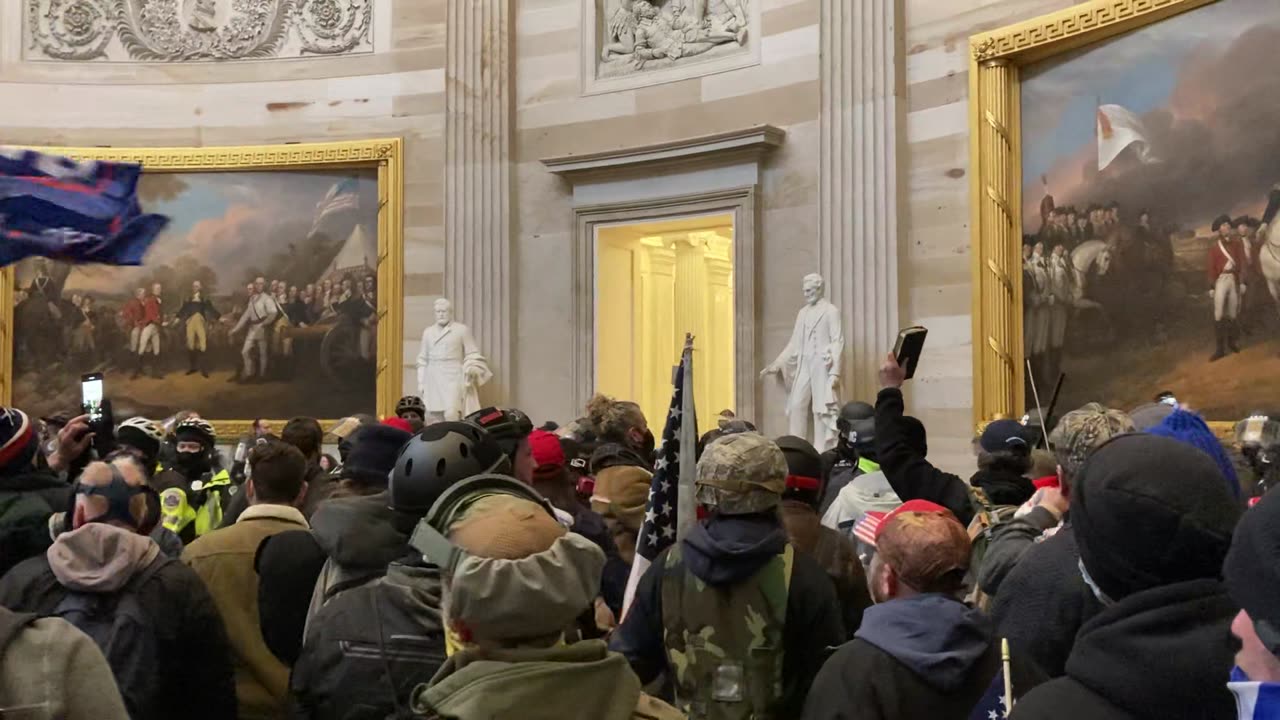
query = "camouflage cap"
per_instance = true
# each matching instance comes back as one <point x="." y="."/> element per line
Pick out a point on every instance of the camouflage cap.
<point x="1082" y="431"/>
<point x="741" y="473"/>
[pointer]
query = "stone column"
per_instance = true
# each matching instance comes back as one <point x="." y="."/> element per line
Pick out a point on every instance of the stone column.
<point x="477" y="182"/>
<point x="858" y="246"/>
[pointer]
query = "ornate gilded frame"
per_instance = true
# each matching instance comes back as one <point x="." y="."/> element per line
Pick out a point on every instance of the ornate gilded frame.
<point x="995" y="146"/>
<point x="386" y="154"/>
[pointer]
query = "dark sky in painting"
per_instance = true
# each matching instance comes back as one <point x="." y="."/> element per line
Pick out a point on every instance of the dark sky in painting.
<point x="1207" y="87"/>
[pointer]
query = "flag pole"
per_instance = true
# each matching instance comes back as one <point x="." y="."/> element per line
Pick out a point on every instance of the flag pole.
<point x="688" y="510"/>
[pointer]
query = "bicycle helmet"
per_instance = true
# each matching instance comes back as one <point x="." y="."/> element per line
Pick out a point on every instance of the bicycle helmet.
<point x="438" y="457"/>
<point x="197" y="429"/>
<point x="142" y="434"/>
<point x="507" y="426"/>
<point x="411" y="403"/>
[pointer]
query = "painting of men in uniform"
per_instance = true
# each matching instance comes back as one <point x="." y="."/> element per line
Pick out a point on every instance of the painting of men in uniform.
<point x="216" y="317"/>
<point x="1150" y="192"/>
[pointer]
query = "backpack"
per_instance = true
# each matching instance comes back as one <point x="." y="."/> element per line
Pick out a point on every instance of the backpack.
<point x="985" y="517"/>
<point x="126" y="634"/>
<point x="24" y="527"/>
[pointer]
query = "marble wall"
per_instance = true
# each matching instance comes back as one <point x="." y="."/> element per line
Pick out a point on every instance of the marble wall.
<point x="553" y="118"/>
<point x="935" y="264"/>
<point x="396" y="90"/>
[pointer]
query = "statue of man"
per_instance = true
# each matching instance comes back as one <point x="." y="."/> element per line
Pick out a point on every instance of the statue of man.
<point x="810" y="367"/>
<point x="450" y="367"/>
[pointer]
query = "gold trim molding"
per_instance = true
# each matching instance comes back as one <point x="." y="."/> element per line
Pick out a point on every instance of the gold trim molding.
<point x="385" y="154"/>
<point x="995" y="146"/>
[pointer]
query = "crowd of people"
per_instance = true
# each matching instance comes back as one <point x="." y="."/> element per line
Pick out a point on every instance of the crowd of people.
<point x="483" y="569"/>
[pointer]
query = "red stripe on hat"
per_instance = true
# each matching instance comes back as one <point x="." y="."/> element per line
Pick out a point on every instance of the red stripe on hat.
<point x="865" y="529"/>
<point x="801" y="482"/>
<point x="495" y="415"/>
<point x="17" y="443"/>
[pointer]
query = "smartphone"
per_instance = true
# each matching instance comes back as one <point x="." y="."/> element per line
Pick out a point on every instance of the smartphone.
<point x="909" y="347"/>
<point x="91" y="397"/>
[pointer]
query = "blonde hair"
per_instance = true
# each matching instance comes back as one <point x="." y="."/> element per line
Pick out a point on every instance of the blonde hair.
<point x="613" y="418"/>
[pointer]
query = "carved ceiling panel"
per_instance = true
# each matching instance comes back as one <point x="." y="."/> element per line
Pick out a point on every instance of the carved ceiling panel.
<point x="194" y="30"/>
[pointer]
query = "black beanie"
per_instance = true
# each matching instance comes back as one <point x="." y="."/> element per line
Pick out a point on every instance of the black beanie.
<point x="373" y="453"/>
<point x="803" y="464"/>
<point x="1252" y="568"/>
<point x="1149" y="511"/>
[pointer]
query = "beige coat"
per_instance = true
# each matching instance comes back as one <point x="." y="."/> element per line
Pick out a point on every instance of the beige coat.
<point x="224" y="560"/>
<point x="52" y="671"/>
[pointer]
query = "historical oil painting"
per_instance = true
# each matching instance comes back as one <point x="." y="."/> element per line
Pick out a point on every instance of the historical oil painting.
<point x="258" y="300"/>
<point x="1151" y="247"/>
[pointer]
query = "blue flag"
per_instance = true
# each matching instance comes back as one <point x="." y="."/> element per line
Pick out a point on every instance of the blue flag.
<point x="80" y="212"/>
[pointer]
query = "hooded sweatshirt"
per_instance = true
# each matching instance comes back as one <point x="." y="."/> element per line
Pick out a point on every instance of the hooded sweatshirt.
<point x="728" y="549"/>
<point x="925" y="656"/>
<point x="190" y="636"/>
<point x="361" y="538"/>
<point x="52" y="671"/>
<point x="1160" y="653"/>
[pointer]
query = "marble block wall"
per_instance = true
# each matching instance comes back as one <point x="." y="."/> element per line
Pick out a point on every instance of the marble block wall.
<point x="553" y="118"/>
<point x="934" y="259"/>
<point x="395" y="90"/>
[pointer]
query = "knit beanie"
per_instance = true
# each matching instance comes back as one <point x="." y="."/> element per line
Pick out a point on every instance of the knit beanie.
<point x="373" y="453"/>
<point x="17" y="441"/>
<point x="548" y="455"/>
<point x="1252" y="568"/>
<point x="1149" y="511"/>
<point x="1190" y="428"/>
<point x="804" y="470"/>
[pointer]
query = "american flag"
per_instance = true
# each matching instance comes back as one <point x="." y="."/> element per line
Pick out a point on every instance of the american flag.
<point x="75" y="211"/>
<point x="343" y="195"/>
<point x="670" y="506"/>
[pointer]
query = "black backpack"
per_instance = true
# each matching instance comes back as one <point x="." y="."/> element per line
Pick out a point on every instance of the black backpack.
<point x="126" y="634"/>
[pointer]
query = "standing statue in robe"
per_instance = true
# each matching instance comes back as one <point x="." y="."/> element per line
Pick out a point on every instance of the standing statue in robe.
<point x="450" y="367"/>
<point x="810" y="367"/>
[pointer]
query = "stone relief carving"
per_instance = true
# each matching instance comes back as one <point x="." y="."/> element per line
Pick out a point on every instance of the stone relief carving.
<point x="186" y="30"/>
<point x="638" y="36"/>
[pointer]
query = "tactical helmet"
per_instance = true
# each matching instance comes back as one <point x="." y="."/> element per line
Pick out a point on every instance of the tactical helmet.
<point x="438" y="457"/>
<point x="857" y="425"/>
<point x="741" y="473"/>
<point x="411" y="403"/>
<point x="1259" y="430"/>
<point x="507" y="426"/>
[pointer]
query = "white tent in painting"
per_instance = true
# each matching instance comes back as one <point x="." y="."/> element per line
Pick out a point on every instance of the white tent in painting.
<point x="357" y="257"/>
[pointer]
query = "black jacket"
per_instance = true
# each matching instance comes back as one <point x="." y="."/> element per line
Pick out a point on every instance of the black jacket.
<point x="1010" y="540"/>
<point x="387" y="634"/>
<point x="724" y="550"/>
<point x="27" y="499"/>
<point x="288" y="564"/>
<point x="1161" y="653"/>
<point x="613" y="581"/>
<point x="196" y="676"/>
<point x="913" y="477"/>
<point x="1043" y="602"/>
<point x="927" y="656"/>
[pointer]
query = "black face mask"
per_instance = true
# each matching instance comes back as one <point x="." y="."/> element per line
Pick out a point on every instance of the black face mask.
<point x="193" y="464"/>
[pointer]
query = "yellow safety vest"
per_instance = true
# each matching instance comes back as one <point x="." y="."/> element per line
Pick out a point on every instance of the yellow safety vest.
<point x="203" y="505"/>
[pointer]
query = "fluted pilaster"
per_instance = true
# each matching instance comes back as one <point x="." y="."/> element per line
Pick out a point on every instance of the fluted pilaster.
<point x="477" y="186"/>
<point x="858" y="247"/>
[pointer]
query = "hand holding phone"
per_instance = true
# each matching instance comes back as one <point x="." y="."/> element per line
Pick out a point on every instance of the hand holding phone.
<point x="91" y="397"/>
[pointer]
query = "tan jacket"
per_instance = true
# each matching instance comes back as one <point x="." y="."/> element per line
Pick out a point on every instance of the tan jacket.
<point x="52" y="671"/>
<point x="224" y="560"/>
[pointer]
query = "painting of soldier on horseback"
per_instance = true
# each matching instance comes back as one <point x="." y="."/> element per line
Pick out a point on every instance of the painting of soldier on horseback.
<point x="1151" y="256"/>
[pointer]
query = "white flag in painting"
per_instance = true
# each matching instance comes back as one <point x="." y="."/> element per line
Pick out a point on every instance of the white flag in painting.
<point x="1118" y="128"/>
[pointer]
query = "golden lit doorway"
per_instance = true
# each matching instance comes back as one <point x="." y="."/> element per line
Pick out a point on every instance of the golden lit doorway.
<point x="654" y="282"/>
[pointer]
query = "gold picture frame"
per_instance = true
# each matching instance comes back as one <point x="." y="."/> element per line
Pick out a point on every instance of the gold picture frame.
<point x="384" y="154"/>
<point x="995" y="203"/>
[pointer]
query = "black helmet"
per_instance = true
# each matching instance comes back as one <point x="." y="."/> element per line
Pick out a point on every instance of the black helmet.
<point x="857" y="425"/>
<point x="411" y="403"/>
<point x="507" y="426"/>
<point x="441" y="455"/>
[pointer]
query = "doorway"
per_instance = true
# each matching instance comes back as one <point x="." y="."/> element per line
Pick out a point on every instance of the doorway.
<point x="655" y="281"/>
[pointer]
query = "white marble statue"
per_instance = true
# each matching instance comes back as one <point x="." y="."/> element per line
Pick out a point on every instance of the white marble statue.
<point x="450" y="367"/>
<point x="810" y="367"/>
